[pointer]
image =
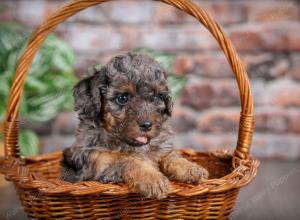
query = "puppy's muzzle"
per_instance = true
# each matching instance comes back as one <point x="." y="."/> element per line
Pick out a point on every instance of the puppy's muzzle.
<point x="145" y="125"/>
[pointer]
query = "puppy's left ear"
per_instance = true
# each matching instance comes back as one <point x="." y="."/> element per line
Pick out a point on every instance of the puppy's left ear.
<point x="169" y="105"/>
<point x="87" y="98"/>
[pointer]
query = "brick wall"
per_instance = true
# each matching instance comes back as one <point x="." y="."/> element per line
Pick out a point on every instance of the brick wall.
<point x="266" y="33"/>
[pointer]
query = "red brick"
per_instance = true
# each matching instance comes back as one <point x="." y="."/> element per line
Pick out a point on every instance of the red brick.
<point x="273" y="12"/>
<point x="296" y="67"/>
<point x="198" y="95"/>
<point x="266" y="66"/>
<point x="183" y="119"/>
<point x="283" y="37"/>
<point x="247" y="38"/>
<point x="185" y="38"/>
<point x="212" y="65"/>
<point x="285" y="93"/>
<point x="261" y="96"/>
<point x="272" y="121"/>
<point x="85" y="38"/>
<point x="226" y="93"/>
<point x="257" y="37"/>
<point x="166" y="14"/>
<point x="293" y="38"/>
<point x="275" y="120"/>
<point x="205" y="94"/>
<point x="129" y="12"/>
<point x="295" y="122"/>
<point x="256" y="59"/>
<point x="184" y="64"/>
<point x="276" y="146"/>
<point x="279" y="69"/>
<point x="224" y="12"/>
<point x="100" y="39"/>
<point x="96" y="14"/>
<point x="220" y="120"/>
<point x="133" y="12"/>
<point x="53" y="6"/>
<point x="33" y="13"/>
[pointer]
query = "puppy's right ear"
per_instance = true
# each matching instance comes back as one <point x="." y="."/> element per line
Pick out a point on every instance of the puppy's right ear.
<point x="84" y="100"/>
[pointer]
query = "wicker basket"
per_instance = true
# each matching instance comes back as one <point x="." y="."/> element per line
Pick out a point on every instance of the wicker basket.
<point x="44" y="196"/>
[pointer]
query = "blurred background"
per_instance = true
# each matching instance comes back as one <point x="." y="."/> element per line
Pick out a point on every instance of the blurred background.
<point x="266" y="34"/>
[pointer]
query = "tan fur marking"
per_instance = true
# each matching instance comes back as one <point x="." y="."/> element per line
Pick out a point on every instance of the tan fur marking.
<point x="129" y="87"/>
<point x="110" y="121"/>
<point x="142" y="176"/>
<point x="179" y="168"/>
<point x="102" y="160"/>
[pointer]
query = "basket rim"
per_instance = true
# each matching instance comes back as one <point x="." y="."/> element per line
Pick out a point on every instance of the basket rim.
<point x="17" y="171"/>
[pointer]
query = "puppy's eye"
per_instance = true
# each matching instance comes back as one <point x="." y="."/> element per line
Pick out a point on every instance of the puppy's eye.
<point x="158" y="97"/>
<point x="122" y="99"/>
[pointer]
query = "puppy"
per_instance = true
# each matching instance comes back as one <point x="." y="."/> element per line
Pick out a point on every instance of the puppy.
<point x="123" y="134"/>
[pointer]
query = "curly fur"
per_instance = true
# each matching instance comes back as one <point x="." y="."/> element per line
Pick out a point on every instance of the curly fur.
<point x="106" y="147"/>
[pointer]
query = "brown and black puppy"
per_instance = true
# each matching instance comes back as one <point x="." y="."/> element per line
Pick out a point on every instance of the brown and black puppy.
<point x="123" y="134"/>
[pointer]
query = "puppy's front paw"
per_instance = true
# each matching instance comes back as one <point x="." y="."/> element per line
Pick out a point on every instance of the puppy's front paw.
<point x="152" y="185"/>
<point x="195" y="174"/>
<point x="188" y="172"/>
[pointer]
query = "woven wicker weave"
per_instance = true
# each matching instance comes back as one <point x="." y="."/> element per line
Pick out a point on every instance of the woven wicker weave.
<point x="44" y="196"/>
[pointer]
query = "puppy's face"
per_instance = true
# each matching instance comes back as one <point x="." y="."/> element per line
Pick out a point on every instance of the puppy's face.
<point x="129" y="97"/>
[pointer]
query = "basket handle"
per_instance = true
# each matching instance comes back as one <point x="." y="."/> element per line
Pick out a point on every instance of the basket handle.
<point x="246" y="125"/>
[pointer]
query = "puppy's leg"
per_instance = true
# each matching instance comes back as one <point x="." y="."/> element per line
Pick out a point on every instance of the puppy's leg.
<point x="178" y="168"/>
<point x="143" y="177"/>
<point x="138" y="173"/>
<point x="105" y="166"/>
<point x="81" y="164"/>
<point x="73" y="163"/>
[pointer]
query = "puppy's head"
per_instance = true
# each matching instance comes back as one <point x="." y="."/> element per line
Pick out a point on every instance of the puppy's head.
<point x="129" y="97"/>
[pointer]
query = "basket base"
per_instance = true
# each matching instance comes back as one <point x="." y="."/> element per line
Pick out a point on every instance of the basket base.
<point x="107" y="207"/>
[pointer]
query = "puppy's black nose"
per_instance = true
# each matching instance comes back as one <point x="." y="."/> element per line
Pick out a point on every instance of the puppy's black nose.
<point x="145" y="125"/>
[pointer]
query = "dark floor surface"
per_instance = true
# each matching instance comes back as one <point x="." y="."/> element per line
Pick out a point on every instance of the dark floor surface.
<point x="274" y="194"/>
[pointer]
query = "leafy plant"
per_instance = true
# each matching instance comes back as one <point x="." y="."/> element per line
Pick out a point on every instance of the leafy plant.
<point x="49" y="83"/>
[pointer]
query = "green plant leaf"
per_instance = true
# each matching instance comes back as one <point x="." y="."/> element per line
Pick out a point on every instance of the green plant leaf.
<point x="176" y="83"/>
<point x="2" y="108"/>
<point x="29" y="143"/>
<point x="64" y="57"/>
<point x="52" y="72"/>
<point x="50" y="80"/>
